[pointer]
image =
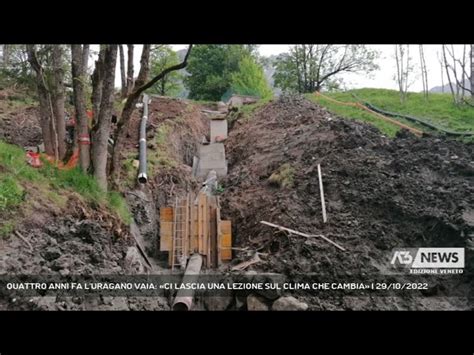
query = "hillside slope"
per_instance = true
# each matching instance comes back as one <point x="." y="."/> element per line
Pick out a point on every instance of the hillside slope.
<point x="381" y="194"/>
<point x="438" y="109"/>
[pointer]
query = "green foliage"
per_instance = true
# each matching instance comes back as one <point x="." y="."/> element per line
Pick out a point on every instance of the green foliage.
<point x="86" y="186"/>
<point x="283" y="177"/>
<point x="11" y="194"/>
<point x="162" y="57"/>
<point x="308" y="68"/>
<point x="12" y="158"/>
<point x="250" y="79"/>
<point x="211" y="67"/>
<point x="50" y="181"/>
<point x="119" y="206"/>
<point x="219" y="189"/>
<point x="18" y="70"/>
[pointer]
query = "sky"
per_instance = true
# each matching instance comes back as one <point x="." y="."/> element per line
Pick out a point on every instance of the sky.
<point x="382" y="78"/>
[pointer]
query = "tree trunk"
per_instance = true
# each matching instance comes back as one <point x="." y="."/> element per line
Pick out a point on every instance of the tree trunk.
<point x="46" y="113"/>
<point x="472" y="72"/>
<point x="130" y="82"/>
<point x="132" y="101"/>
<point x="97" y="81"/>
<point x="123" y="75"/>
<point x="163" y="87"/>
<point x="58" y="99"/>
<point x="6" y="55"/>
<point x="79" y="72"/>
<point x="101" y="130"/>
<point x="445" y="61"/>
<point x="127" y="111"/>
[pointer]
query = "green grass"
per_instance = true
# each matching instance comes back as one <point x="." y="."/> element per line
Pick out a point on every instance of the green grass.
<point x="160" y="157"/>
<point x="245" y="112"/>
<point x="6" y="228"/>
<point x="11" y="193"/>
<point x="283" y="177"/>
<point x="50" y="181"/>
<point x="438" y="109"/>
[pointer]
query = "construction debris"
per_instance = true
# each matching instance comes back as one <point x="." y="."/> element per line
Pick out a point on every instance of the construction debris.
<point x="245" y="264"/>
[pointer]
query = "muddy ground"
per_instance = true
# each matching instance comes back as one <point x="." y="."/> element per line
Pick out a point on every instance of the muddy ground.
<point x="381" y="194"/>
<point x="19" y="123"/>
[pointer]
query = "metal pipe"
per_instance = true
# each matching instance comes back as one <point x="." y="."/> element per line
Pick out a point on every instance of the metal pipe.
<point x="142" y="177"/>
<point x="184" y="298"/>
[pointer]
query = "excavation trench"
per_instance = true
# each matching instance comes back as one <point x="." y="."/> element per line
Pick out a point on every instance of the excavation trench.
<point x="380" y="194"/>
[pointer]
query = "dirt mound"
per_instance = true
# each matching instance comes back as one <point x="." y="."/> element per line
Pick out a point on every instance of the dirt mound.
<point x="19" y="124"/>
<point x="380" y="193"/>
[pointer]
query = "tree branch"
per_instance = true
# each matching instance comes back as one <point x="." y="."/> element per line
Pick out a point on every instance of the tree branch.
<point x="153" y="81"/>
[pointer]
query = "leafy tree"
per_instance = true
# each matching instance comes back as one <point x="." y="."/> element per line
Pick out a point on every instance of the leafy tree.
<point x="162" y="57"/>
<point x="308" y="68"/>
<point x="250" y="79"/>
<point x="211" y="67"/>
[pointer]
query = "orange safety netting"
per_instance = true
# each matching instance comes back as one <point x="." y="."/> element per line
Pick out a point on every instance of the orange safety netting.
<point x="34" y="160"/>
<point x="376" y="114"/>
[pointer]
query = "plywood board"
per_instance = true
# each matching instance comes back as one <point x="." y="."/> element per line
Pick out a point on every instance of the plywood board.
<point x="166" y="228"/>
<point x="226" y="240"/>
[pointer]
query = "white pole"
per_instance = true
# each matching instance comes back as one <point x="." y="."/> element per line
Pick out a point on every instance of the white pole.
<point x="323" y="204"/>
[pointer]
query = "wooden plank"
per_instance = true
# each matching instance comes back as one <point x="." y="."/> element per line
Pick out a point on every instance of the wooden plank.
<point x="195" y="229"/>
<point x="212" y="236"/>
<point x="225" y="240"/>
<point x="202" y="223"/>
<point x="166" y="228"/>
<point x="303" y="234"/>
<point x="218" y="232"/>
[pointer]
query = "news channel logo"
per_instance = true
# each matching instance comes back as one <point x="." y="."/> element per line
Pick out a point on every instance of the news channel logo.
<point x="428" y="260"/>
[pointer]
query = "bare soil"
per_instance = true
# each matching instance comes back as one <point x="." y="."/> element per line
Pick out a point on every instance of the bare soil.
<point x="381" y="194"/>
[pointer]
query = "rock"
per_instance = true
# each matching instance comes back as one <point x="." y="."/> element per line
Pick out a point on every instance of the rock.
<point x="218" y="303"/>
<point x="133" y="261"/>
<point x="239" y="302"/>
<point x="135" y="163"/>
<point x="270" y="294"/>
<point x="254" y="303"/>
<point x="289" y="304"/>
<point x="51" y="253"/>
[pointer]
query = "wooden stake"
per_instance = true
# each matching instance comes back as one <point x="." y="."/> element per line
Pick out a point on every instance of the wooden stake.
<point x="323" y="203"/>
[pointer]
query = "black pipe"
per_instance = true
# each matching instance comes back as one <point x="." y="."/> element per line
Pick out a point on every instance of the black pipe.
<point x="142" y="177"/>
<point x="417" y="120"/>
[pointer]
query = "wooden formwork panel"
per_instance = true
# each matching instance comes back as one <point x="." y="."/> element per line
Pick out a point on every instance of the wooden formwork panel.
<point x="225" y="240"/>
<point x="203" y="223"/>
<point x="212" y="246"/>
<point x="166" y="228"/>
<point x="194" y="229"/>
<point x="198" y="222"/>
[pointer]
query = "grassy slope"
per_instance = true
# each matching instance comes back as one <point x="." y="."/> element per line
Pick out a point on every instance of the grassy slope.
<point x="438" y="109"/>
<point x="18" y="180"/>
